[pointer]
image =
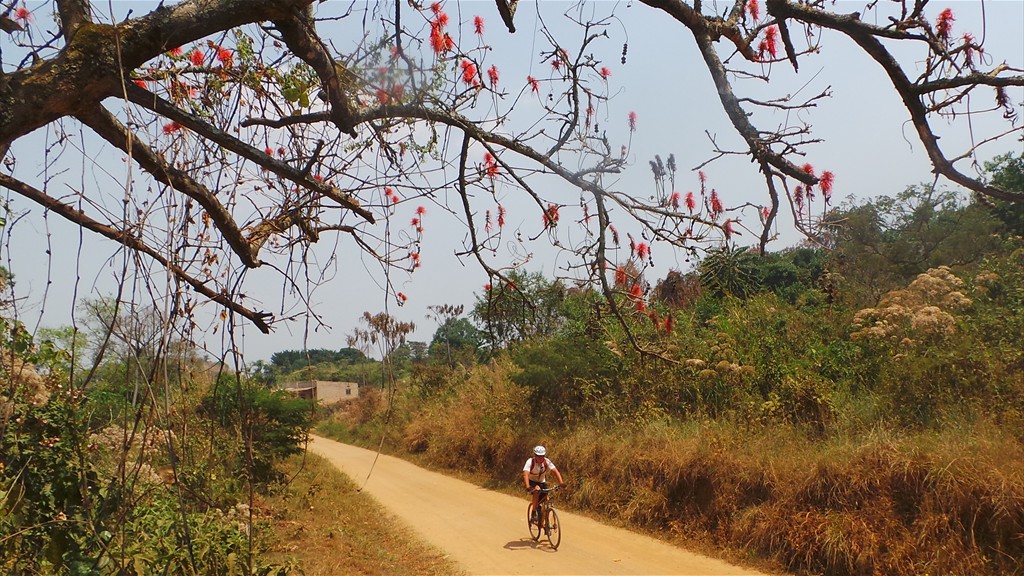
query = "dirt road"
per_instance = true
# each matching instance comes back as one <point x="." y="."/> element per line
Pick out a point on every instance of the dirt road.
<point x="488" y="536"/>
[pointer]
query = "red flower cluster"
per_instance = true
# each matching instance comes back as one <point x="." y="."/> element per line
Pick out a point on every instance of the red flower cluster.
<point x="490" y="165"/>
<point x="716" y="204"/>
<point x="22" y="15"/>
<point x="768" y="44"/>
<point x="469" y="75"/>
<point x="492" y="75"/>
<point x="534" y="84"/>
<point x="944" y="23"/>
<point x="440" y="40"/>
<point x="478" y="25"/>
<point x="225" y="57"/>
<point x="551" y="216"/>
<point x="632" y="121"/>
<point x="196" y="57"/>
<point x="391" y="195"/>
<point x="754" y="9"/>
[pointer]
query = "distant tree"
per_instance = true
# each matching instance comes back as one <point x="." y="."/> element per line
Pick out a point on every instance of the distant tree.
<point x="1007" y="172"/>
<point x="884" y="243"/>
<point x="524" y="305"/>
<point x="454" y="340"/>
<point x="291" y="360"/>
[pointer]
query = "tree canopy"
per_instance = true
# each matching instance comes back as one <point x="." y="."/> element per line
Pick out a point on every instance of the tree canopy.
<point x="251" y="130"/>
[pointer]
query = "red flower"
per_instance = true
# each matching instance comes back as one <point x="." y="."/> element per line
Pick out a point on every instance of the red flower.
<point x="808" y="169"/>
<point x="716" y="204"/>
<point x="944" y="23"/>
<point x="492" y="75"/>
<point x="674" y="199"/>
<point x="172" y="127"/>
<point x="487" y="287"/>
<point x="620" y="276"/>
<point x="827" y="179"/>
<point x="768" y="44"/>
<point x="635" y="291"/>
<point x="469" y="72"/>
<point x="669" y="323"/>
<point x="754" y="8"/>
<point x="437" y="39"/>
<point x="421" y="210"/>
<point x="281" y="151"/>
<point x="551" y="216"/>
<point x="176" y="51"/>
<point x="642" y="251"/>
<point x="435" y="7"/>
<point x="382" y="96"/>
<point x="765" y="212"/>
<point x="478" y="25"/>
<point x="969" y="48"/>
<point x="268" y="151"/>
<point x="632" y="121"/>
<point x="534" y="84"/>
<point x="415" y="222"/>
<point x="501" y="216"/>
<point x="140" y="83"/>
<point x="402" y="297"/>
<point x="605" y="72"/>
<point x="691" y="202"/>
<point x="798" y="197"/>
<point x="225" y="57"/>
<point x="22" y="15"/>
<point x="727" y="228"/>
<point x="196" y="57"/>
<point x="701" y="176"/>
<point x="615" y="234"/>
<point x="490" y="165"/>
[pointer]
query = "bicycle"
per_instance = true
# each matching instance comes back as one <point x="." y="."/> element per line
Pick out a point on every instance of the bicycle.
<point x="549" y="524"/>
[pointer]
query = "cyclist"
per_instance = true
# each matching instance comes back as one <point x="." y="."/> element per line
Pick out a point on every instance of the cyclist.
<point x="534" y="476"/>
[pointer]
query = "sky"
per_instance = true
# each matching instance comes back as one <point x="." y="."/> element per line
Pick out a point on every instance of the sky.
<point x="868" y="145"/>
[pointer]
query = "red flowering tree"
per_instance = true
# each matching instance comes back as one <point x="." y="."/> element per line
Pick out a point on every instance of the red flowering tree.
<point x="252" y="129"/>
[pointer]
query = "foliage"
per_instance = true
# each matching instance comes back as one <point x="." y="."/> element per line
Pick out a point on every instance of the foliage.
<point x="1007" y="172"/>
<point x="884" y="243"/>
<point x="525" y="306"/>
<point x="287" y="361"/>
<point x="266" y="425"/>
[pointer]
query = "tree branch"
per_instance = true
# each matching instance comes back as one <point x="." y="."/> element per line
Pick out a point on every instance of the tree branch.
<point x="111" y="130"/>
<point x="78" y="218"/>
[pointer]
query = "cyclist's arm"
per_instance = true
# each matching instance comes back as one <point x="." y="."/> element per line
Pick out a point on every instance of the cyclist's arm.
<point x="526" y="479"/>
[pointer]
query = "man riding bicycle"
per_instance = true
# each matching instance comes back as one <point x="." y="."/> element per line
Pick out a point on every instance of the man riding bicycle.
<point x="534" y="476"/>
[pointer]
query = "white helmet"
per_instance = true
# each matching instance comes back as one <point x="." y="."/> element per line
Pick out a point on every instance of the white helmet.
<point x="539" y="451"/>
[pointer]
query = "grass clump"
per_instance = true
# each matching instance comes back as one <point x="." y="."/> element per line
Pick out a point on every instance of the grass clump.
<point x="322" y="526"/>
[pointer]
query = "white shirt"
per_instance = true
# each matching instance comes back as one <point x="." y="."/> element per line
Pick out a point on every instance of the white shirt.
<point x="537" y="471"/>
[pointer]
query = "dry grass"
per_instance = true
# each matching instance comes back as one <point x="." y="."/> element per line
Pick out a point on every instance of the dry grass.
<point x="322" y="526"/>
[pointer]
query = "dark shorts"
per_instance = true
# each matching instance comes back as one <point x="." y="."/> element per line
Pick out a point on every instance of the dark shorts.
<point x="543" y="486"/>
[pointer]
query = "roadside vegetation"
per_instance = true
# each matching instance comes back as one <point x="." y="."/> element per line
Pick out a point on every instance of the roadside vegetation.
<point x="853" y="408"/>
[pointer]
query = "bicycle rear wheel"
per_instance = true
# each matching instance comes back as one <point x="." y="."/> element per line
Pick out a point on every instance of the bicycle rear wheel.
<point x="535" y="529"/>
<point x="554" y="529"/>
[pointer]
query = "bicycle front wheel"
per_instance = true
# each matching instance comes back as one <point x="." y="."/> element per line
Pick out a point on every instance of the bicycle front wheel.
<point x="535" y="529"/>
<point x="554" y="529"/>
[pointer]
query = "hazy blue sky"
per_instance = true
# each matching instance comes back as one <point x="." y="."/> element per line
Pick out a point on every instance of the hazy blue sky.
<point x="869" y="146"/>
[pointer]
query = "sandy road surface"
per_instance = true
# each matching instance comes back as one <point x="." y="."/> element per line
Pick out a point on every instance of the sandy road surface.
<point x="489" y="536"/>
